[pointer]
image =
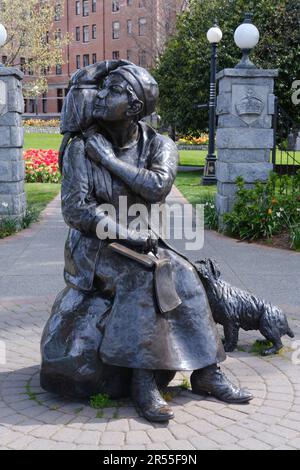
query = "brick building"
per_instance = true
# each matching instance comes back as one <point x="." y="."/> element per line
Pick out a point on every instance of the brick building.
<point x="106" y="29"/>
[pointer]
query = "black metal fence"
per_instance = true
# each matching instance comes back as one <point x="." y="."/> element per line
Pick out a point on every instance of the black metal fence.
<point x="285" y="153"/>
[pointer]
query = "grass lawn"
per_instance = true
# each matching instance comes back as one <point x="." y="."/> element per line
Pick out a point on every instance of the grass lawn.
<point x="187" y="157"/>
<point x="42" y="141"/>
<point x="197" y="157"/>
<point x="40" y="194"/>
<point x="192" y="157"/>
<point x="189" y="185"/>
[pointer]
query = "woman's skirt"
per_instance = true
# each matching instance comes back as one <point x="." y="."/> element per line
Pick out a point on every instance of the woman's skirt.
<point x="93" y="339"/>
<point x="135" y="333"/>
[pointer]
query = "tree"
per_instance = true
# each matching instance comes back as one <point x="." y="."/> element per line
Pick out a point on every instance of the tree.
<point x="33" y="43"/>
<point x="183" y="70"/>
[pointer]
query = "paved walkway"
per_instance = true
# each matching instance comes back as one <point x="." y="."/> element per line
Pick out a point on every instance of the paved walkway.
<point x="31" y="265"/>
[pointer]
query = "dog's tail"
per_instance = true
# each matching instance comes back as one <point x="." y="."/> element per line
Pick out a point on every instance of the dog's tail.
<point x="290" y="333"/>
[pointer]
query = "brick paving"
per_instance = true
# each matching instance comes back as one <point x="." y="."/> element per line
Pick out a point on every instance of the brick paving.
<point x="31" y="418"/>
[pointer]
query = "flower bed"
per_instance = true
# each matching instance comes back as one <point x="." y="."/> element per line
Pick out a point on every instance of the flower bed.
<point x="40" y="123"/>
<point x="42" y="166"/>
<point x="203" y="139"/>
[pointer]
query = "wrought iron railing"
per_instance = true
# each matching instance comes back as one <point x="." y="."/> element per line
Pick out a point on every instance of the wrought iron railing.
<point x="285" y="156"/>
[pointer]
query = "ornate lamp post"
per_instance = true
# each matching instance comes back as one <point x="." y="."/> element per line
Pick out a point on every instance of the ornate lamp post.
<point x="214" y="36"/>
<point x="36" y="92"/>
<point x="246" y="38"/>
<point x="3" y="38"/>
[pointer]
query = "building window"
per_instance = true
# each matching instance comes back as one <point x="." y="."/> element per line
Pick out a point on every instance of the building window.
<point x="4" y="59"/>
<point x="116" y="30"/>
<point x="22" y="64"/>
<point x="86" y="60"/>
<point x="129" y="3"/>
<point x="32" y="106"/>
<point x="116" y="55"/>
<point x="60" y="99"/>
<point x="142" y="4"/>
<point x="129" y="55"/>
<point x="94" y="31"/>
<point x="30" y="69"/>
<point x="115" y="6"/>
<point x="94" y="6"/>
<point x="129" y="27"/>
<point x="44" y="102"/>
<point x="58" y="69"/>
<point x="78" y="61"/>
<point x="143" y="59"/>
<point x="142" y="26"/>
<point x="78" y="8"/>
<point x="85" y="8"/>
<point x="77" y="33"/>
<point x="94" y="58"/>
<point x="57" y="14"/>
<point x="57" y="35"/>
<point x="86" y="35"/>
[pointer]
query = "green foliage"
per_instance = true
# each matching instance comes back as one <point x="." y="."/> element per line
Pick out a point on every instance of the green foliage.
<point x="295" y="237"/>
<point x="267" y="210"/>
<point x="31" y="216"/>
<point x="100" y="402"/>
<point x="8" y="226"/>
<point x="211" y="219"/>
<point x="259" y="347"/>
<point x="184" y="68"/>
<point x="185" y="384"/>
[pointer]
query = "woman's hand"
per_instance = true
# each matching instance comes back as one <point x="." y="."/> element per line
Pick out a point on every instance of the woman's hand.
<point x="99" y="149"/>
<point x="147" y="240"/>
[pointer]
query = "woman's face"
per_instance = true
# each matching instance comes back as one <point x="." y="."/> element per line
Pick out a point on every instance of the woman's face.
<point x="112" y="101"/>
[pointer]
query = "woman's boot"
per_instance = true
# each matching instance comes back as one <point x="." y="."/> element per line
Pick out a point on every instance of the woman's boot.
<point x="213" y="381"/>
<point x="147" y="399"/>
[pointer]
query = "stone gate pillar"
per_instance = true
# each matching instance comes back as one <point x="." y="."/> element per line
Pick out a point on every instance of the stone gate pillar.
<point x="12" y="171"/>
<point x="245" y="107"/>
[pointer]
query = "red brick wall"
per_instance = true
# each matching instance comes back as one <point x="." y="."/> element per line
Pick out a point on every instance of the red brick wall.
<point x="104" y="46"/>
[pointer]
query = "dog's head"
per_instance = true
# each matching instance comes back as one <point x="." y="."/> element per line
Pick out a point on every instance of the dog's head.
<point x="280" y="321"/>
<point x="208" y="269"/>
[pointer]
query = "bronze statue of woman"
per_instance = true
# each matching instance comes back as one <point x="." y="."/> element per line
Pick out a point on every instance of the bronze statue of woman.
<point x="107" y="333"/>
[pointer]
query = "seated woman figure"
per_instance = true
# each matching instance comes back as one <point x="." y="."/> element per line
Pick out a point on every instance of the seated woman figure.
<point x="106" y="333"/>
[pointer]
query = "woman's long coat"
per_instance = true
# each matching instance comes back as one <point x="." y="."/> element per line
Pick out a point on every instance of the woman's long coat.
<point x="131" y="332"/>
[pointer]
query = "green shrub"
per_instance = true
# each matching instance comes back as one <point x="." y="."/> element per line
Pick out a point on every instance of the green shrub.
<point x="210" y="211"/>
<point x="267" y="210"/>
<point x="10" y="225"/>
<point x="295" y="238"/>
<point x="31" y="216"/>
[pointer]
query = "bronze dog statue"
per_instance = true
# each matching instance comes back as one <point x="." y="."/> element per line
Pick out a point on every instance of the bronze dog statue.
<point x="234" y="309"/>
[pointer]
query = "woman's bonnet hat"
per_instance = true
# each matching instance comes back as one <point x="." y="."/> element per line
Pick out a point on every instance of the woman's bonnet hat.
<point x="144" y="85"/>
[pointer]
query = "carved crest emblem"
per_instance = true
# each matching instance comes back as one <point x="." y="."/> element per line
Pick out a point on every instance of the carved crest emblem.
<point x="3" y="98"/>
<point x="250" y="107"/>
